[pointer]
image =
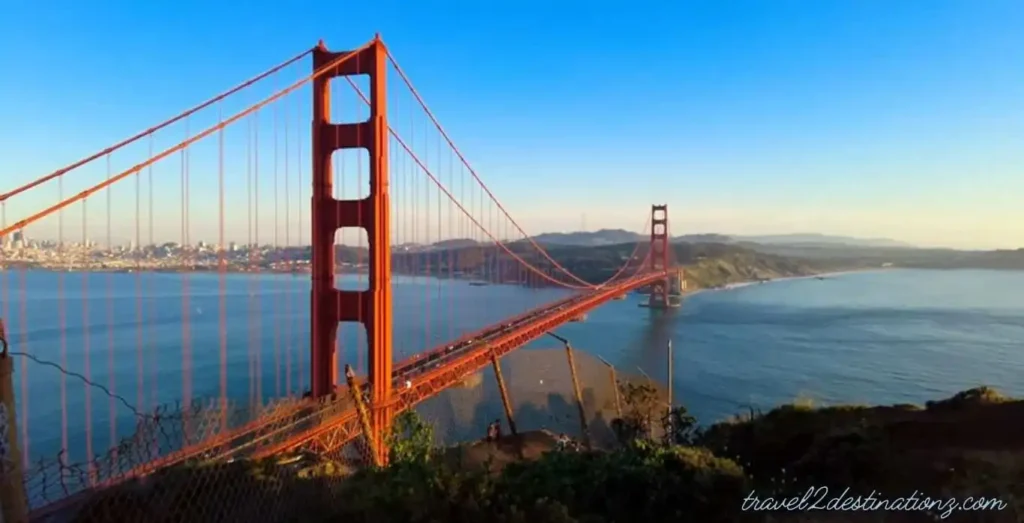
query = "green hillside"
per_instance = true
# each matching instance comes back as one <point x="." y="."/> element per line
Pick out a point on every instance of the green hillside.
<point x="902" y="463"/>
<point x="707" y="264"/>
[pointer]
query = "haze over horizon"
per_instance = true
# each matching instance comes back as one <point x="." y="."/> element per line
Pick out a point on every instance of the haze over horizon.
<point x="826" y="238"/>
<point x="868" y="120"/>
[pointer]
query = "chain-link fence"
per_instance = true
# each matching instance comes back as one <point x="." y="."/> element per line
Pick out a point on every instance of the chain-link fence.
<point x="190" y="465"/>
<point x="541" y="392"/>
<point x="238" y="470"/>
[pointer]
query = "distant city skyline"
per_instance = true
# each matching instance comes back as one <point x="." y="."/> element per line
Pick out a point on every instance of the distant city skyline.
<point x="896" y="120"/>
<point x="351" y="240"/>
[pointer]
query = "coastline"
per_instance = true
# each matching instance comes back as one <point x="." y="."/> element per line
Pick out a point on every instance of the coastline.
<point x="349" y="271"/>
<point x="748" y="283"/>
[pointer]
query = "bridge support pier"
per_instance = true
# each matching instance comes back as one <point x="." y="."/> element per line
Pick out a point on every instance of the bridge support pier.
<point x="505" y="401"/>
<point x="372" y="308"/>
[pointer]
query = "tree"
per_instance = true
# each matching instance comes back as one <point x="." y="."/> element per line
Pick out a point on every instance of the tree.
<point x="641" y="402"/>
<point x="411" y="439"/>
<point x="680" y="427"/>
<point x="643" y="409"/>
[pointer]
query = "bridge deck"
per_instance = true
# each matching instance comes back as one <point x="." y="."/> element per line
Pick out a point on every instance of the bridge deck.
<point x="329" y="424"/>
<point x="436" y="370"/>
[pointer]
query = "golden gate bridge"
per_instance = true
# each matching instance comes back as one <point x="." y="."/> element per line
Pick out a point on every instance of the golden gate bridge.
<point x="419" y="188"/>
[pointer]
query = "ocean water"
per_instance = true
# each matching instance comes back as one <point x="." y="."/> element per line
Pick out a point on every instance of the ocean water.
<point x="873" y="337"/>
<point x="900" y="336"/>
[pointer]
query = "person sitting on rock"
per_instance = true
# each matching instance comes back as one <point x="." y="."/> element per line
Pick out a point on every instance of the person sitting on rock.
<point x="497" y="429"/>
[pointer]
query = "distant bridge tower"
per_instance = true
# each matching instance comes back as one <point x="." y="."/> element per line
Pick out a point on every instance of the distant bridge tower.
<point x="676" y="281"/>
<point x="659" y="258"/>
<point x="371" y="307"/>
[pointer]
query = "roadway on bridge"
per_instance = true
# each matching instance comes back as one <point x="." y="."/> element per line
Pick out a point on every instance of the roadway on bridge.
<point x="424" y="375"/>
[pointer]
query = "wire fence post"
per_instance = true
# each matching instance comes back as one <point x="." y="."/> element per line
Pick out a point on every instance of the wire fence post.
<point x="505" y="401"/>
<point x="579" y="396"/>
<point x="615" y="386"/>
<point x="670" y="383"/>
<point x="356" y="393"/>
<point x="13" y="504"/>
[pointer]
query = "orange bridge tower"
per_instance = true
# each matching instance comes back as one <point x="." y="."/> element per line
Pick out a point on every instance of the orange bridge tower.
<point x="330" y="306"/>
<point x="663" y="293"/>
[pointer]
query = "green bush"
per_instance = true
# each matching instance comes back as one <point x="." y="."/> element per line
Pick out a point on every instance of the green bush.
<point x="637" y="483"/>
<point x="683" y="475"/>
<point x="411" y="439"/>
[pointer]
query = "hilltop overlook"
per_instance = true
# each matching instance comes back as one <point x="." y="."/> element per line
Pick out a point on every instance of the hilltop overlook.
<point x="295" y="269"/>
<point x="966" y="445"/>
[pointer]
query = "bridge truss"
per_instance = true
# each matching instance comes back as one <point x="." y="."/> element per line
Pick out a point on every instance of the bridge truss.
<point x="415" y="198"/>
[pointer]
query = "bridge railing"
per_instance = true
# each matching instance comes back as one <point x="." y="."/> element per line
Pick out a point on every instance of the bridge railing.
<point x="200" y="298"/>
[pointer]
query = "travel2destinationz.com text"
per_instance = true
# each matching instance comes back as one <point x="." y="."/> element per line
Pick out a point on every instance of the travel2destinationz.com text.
<point x="817" y="498"/>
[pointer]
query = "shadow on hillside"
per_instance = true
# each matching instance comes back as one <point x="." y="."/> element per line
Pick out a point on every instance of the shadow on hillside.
<point x="969" y="445"/>
<point x="540" y="389"/>
<point x="540" y="386"/>
<point x="299" y="488"/>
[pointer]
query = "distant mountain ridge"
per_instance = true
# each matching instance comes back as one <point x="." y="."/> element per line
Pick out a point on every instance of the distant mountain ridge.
<point x="821" y="239"/>
<point x="588" y="238"/>
<point x="605" y="237"/>
<point x="615" y="236"/>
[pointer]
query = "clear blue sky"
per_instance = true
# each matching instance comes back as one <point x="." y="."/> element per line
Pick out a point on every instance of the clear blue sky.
<point x="902" y="119"/>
